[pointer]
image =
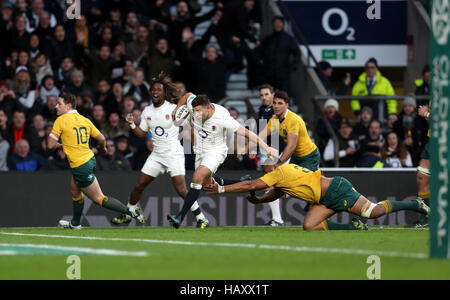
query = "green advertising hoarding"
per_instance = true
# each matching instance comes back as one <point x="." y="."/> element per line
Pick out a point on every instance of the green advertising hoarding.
<point x="439" y="124"/>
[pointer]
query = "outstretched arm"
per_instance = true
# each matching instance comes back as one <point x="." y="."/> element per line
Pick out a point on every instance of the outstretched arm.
<point x="257" y="140"/>
<point x="181" y="102"/>
<point x="240" y="187"/>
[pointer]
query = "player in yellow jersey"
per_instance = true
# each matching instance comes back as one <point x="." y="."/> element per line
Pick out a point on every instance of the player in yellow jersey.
<point x="423" y="170"/>
<point x="74" y="131"/>
<point x="327" y="196"/>
<point x="299" y="148"/>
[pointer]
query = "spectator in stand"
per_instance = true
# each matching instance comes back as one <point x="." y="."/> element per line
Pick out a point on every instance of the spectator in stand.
<point x="135" y="49"/>
<point x="124" y="149"/>
<point x="77" y="86"/>
<point x="35" y="46"/>
<point x="115" y="127"/>
<point x="41" y="67"/>
<point x="112" y="160"/>
<point x="48" y="88"/>
<point x="60" y="47"/>
<point x="4" y="149"/>
<point x="107" y="38"/>
<point x="372" y="82"/>
<point x="19" y="130"/>
<point x="6" y="24"/>
<point x="183" y="18"/>
<point x="281" y="56"/>
<point x="44" y="30"/>
<point x="82" y="34"/>
<point x="98" y="116"/>
<point x="3" y="122"/>
<point x="138" y="87"/>
<point x="389" y="126"/>
<point x="20" y="38"/>
<point x="7" y="98"/>
<point x="49" y="111"/>
<point x="64" y="73"/>
<point x="325" y="77"/>
<point x="104" y="96"/>
<point x="394" y="153"/>
<point x="33" y="15"/>
<point x="331" y="111"/>
<point x="347" y="147"/>
<point x="411" y="129"/>
<point x="23" y="87"/>
<point x="131" y="27"/>
<point x="211" y="74"/>
<point x="361" y="130"/>
<point x="369" y="153"/>
<point x="23" y="160"/>
<point x="191" y="52"/>
<point x="423" y="85"/>
<point x="127" y="73"/>
<point x="57" y="162"/>
<point x="161" y="59"/>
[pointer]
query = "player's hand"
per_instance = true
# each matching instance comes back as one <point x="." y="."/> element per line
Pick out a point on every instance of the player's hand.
<point x="423" y="111"/>
<point x="253" y="199"/>
<point x="211" y="188"/>
<point x="272" y="152"/>
<point x="102" y="149"/>
<point x="130" y="118"/>
<point x="252" y="154"/>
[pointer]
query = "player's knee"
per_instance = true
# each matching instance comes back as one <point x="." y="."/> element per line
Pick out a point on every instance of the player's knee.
<point x="309" y="225"/>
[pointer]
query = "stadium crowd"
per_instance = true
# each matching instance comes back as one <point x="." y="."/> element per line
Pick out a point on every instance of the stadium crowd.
<point x="108" y="57"/>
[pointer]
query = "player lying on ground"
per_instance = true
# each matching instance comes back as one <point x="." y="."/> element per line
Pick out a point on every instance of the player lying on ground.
<point x="210" y="124"/>
<point x="74" y="130"/>
<point x="167" y="155"/>
<point x="328" y="196"/>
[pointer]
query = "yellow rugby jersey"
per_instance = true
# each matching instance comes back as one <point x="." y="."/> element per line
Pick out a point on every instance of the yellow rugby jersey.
<point x="296" y="181"/>
<point x="74" y="131"/>
<point x="292" y="123"/>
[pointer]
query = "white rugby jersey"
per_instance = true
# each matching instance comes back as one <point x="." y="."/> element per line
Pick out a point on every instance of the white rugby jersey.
<point x="158" y="121"/>
<point x="212" y="134"/>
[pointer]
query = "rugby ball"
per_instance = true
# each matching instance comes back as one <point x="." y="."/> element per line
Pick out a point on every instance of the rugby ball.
<point x="182" y="116"/>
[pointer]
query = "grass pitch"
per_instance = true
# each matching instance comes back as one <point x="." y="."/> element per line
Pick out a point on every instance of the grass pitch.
<point x="233" y="253"/>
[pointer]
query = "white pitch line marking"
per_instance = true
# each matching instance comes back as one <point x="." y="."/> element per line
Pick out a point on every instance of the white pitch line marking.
<point x="262" y="246"/>
<point x="79" y="250"/>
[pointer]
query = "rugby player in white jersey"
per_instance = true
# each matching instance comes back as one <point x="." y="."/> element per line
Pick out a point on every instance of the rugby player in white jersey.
<point x="167" y="155"/>
<point x="210" y="124"/>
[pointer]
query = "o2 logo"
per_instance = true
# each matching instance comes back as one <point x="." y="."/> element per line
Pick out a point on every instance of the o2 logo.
<point x="344" y="24"/>
<point x="373" y="12"/>
<point x="159" y="131"/>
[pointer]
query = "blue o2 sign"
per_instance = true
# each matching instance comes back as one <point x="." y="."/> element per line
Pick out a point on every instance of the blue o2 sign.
<point x="347" y="33"/>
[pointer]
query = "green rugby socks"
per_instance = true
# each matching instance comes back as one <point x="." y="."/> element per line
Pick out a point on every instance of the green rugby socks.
<point x="78" y="204"/>
<point x="115" y="205"/>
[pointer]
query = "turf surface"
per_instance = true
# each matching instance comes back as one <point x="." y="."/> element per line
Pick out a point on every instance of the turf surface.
<point x="262" y="253"/>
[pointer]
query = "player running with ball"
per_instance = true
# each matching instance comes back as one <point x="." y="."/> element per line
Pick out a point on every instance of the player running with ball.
<point x="167" y="155"/>
<point x="210" y="125"/>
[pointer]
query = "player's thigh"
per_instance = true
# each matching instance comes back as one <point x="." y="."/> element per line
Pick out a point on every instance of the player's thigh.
<point x="93" y="191"/>
<point x="210" y="160"/>
<point x="316" y="215"/>
<point x="361" y="205"/>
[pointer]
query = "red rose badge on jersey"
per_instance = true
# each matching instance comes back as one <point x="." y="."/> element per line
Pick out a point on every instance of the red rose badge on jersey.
<point x="214" y="128"/>
<point x="167" y="117"/>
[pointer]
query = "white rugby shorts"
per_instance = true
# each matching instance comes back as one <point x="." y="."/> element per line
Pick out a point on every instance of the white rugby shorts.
<point x="211" y="160"/>
<point x="158" y="164"/>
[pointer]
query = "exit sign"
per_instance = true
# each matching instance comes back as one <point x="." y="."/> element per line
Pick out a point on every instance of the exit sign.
<point x="338" y="54"/>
